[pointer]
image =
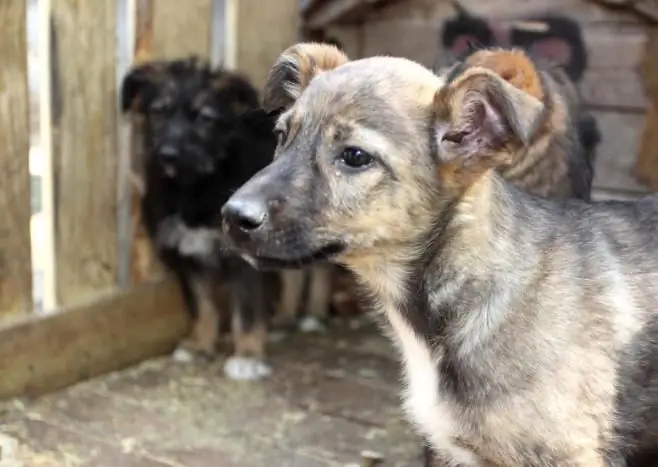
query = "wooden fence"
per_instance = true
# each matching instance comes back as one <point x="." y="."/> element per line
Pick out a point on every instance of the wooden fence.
<point x="111" y="308"/>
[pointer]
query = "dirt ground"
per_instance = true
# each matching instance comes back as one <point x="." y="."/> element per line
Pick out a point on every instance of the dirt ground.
<point x="331" y="397"/>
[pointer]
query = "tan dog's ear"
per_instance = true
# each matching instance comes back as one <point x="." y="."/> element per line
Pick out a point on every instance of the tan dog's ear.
<point x="295" y="69"/>
<point x="484" y="117"/>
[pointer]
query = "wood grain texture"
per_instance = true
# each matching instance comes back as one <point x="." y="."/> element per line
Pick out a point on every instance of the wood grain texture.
<point x="615" y="164"/>
<point x="43" y="354"/>
<point x="86" y="150"/>
<point x="646" y="167"/>
<point x="180" y="30"/>
<point x="263" y="31"/>
<point x="15" y="267"/>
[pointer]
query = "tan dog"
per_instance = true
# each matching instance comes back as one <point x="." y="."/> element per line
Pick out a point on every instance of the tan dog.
<point x="526" y="326"/>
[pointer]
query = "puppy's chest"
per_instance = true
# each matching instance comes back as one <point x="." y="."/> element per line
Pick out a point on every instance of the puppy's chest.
<point x="425" y="403"/>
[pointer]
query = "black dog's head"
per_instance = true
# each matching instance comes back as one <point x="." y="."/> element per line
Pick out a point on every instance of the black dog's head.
<point x="191" y="113"/>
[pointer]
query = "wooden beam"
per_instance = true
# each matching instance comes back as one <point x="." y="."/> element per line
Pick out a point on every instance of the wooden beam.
<point x="181" y="31"/>
<point x="319" y="14"/>
<point x="86" y="155"/>
<point x="126" y="19"/>
<point x="253" y="55"/>
<point x="646" y="168"/>
<point x="15" y="267"/>
<point x="46" y="251"/>
<point x="46" y="353"/>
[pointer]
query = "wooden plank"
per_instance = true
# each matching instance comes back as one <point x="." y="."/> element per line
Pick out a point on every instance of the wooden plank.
<point x="332" y="12"/>
<point x="111" y="332"/>
<point x="182" y="31"/>
<point x="253" y="54"/>
<point x="86" y="157"/>
<point x="433" y="10"/>
<point x="646" y="166"/>
<point x="15" y="269"/>
<point x="615" y="165"/>
<point x="144" y="264"/>
<point x="417" y="39"/>
<point x="45" y="239"/>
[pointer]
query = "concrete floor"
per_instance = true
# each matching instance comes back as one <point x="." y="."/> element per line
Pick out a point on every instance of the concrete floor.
<point x="331" y="397"/>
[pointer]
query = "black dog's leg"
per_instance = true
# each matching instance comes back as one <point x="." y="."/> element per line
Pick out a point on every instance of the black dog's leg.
<point x="292" y="291"/>
<point x="319" y="297"/>
<point x="249" y="326"/>
<point x="198" y="291"/>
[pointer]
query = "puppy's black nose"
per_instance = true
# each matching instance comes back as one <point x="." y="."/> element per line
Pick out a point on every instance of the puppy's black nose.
<point x="246" y="214"/>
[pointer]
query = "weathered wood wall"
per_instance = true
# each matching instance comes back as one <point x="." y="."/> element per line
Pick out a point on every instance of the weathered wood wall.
<point x="15" y="268"/>
<point x="85" y="155"/>
<point x="262" y="31"/>
<point x="612" y="85"/>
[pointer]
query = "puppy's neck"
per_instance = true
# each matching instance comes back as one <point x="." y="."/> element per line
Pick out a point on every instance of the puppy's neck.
<point x="421" y="279"/>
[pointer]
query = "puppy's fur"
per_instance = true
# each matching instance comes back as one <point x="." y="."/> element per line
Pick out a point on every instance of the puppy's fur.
<point x="526" y="325"/>
<point x="203" y="136"/>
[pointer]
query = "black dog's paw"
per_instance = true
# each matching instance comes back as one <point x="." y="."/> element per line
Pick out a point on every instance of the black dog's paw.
<point x="246" y="368"/>
<point x="189" y="351"/>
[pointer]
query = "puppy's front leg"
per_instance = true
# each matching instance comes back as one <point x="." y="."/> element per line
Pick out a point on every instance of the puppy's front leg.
<point x="205" y="331"/>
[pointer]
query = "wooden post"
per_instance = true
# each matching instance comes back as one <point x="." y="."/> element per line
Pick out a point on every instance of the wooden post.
<point x="647" y="163"/>
<point x="181" y="31"/>
<point x="252" y="54"/>
<point x="15" y="265"/>
<point x="86" y="151"/>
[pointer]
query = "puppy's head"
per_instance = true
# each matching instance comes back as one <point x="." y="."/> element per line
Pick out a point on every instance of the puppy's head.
<point x="189" y="111"/>
<point x="367" y="149"/>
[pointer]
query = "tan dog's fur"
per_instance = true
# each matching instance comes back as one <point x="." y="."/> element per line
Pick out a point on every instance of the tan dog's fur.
<point x="526" y="327"/>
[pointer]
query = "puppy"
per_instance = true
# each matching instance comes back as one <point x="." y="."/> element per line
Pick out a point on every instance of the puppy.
<point x="203" y="136"/>
<point x="526" y="325"/>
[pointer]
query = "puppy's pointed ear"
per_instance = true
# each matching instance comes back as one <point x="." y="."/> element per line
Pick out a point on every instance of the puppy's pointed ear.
<point x="136" y="81"/>
<point x="485" y="118"/>
<point x="294" y="70"/>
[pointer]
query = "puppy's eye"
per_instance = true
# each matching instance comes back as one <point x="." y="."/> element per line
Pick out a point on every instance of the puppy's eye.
<point x="454" y="136"/>
<point x="356" y="158"/>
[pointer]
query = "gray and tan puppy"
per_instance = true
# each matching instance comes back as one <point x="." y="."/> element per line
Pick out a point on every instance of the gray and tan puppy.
<point x="526" y="326"/>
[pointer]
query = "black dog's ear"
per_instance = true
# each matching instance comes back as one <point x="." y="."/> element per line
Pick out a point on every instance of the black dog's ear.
<point x="461" y="34"/>
<point x="137" y="80"/>
<point x="555" y="38"/>
<point x="294" y="70"/>
<point x="243" y="94"/>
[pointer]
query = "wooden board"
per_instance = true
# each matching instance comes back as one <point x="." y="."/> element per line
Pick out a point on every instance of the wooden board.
<point x="433" y="10"/>
<point x="113" y="331"/>
<point x="86" y="151"/>
<point x="646" y="167"/>
<point x="180" y="31"/>
<point x="255" y="52"/>
<point x="615" y="166"/>
<point x="15" y="268"/>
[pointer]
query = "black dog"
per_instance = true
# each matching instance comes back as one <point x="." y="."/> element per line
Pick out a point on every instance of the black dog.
<point x="204" y="135"/>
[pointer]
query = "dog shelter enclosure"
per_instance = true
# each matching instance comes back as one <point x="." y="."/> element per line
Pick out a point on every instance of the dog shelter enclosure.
<point x="81" y="294"/>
